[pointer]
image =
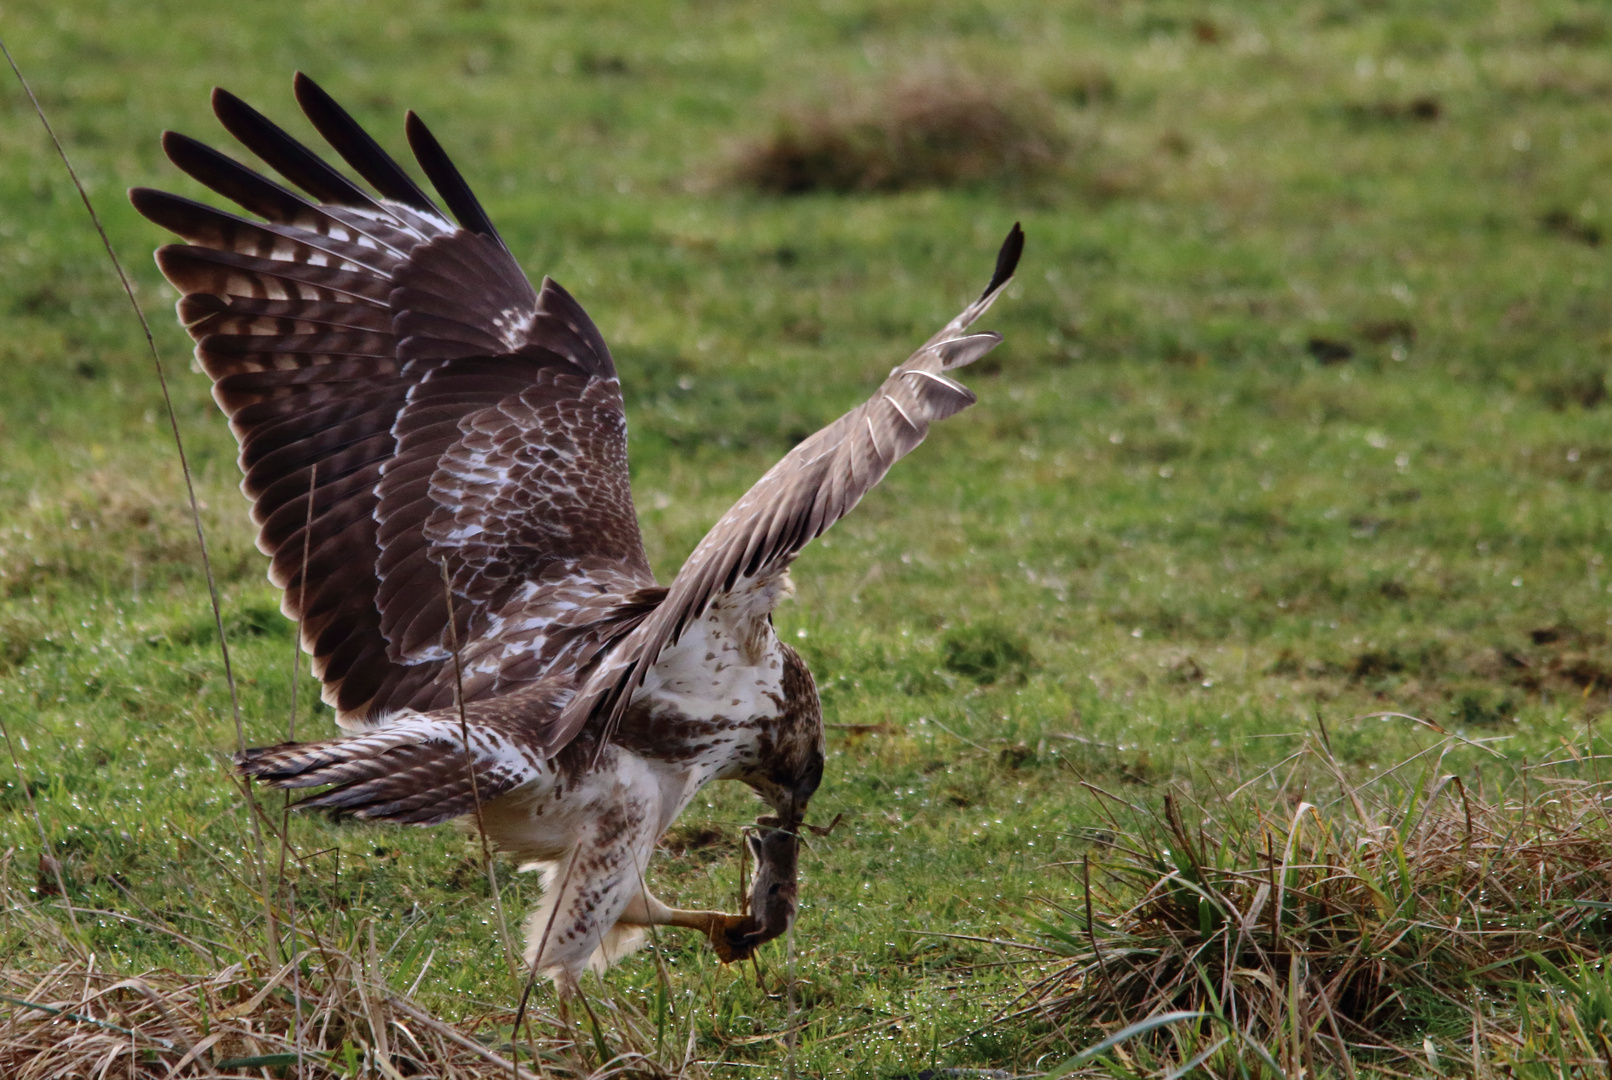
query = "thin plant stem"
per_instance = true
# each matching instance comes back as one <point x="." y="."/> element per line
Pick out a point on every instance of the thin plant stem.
<point x="470" y="767"/>
<point x="302" y="592"/>
<point x="296" y="982"/>
<point x="254" y="812"/>
<point x="291" y="718"/>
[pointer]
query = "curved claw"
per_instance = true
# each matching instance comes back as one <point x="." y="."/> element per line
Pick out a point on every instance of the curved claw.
<point x="735" y="937"/>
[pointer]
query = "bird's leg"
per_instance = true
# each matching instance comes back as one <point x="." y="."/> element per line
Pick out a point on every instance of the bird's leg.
<point x="772" y="901"/>
<point x="586" y="890"/>
<point x="646" y="910"/>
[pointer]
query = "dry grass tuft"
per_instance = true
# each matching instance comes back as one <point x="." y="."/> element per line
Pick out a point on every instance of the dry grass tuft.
<point x="327" y="1013"/>
<point x="935" y="130"/>
<point x="335" y="1019"/>
<point x="1330" y="929"/>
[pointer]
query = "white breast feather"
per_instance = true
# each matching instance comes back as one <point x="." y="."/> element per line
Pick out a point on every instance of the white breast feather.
<point x="716" y="671"/>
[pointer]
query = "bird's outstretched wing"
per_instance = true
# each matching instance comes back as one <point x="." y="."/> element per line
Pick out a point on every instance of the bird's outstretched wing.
<point x="816" y="484"/>
<point x="400" y="371"/>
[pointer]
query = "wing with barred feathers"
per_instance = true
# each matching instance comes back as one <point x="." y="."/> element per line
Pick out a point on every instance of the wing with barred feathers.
<point x="399" y="371"/>
<point x="740" y="562"/>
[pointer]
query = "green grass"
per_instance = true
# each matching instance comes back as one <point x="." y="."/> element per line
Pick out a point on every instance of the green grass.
<point x="1166" y="529"/>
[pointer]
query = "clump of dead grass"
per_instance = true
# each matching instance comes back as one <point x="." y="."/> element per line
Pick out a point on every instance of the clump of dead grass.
<point x="337" y="1019"/>
<point x="937" y="129"/>
<point x="327" y="1012"/>
<point x="1324" y="923"/>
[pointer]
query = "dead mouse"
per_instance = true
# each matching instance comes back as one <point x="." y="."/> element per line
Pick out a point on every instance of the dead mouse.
<point x="773" y="894"/>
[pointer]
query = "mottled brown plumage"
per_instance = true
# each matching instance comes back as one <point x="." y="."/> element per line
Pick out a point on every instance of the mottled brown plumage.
<point x="462" y="440"/>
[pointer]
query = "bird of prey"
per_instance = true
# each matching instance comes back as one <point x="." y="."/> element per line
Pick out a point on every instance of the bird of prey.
<point x="436" y="456"/>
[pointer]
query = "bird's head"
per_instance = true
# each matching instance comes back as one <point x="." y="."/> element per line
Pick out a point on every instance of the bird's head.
<point x="788" y="772"/>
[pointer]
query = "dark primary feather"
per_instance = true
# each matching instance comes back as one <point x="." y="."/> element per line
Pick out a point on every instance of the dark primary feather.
<point x="356" y="147"/>
<point x="229" y="178"/>
<point x="404" y="376"/>
<point x="1007" y="260"/>
<point x="285" y="155"/>
<point x="815" y="484"/>
<point x="445" y="176"/>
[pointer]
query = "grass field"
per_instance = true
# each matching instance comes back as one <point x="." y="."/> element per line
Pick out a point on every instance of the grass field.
<point x="1302" y="416"/>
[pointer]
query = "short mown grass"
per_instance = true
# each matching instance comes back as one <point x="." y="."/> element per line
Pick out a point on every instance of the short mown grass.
<point x="1302" y="412"/>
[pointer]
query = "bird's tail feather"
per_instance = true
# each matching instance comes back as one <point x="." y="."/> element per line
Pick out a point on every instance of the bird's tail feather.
<point x="417" y="771"/>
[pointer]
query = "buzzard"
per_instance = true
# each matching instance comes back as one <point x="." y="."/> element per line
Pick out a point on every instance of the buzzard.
<point x="436" y="455"/>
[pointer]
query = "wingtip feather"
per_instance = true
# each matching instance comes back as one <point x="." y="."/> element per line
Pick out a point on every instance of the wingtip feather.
<point x="285" y="154"/>
<point x="356" y="146"/>
<point x="170" y="141"/>
<point x="1007" y="259"/>
<point x="446" y="178"/>
<point x="142" y="197"/>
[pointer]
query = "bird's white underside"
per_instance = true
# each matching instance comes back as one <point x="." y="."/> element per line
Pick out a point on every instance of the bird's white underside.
<point x="726" y="668"/>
